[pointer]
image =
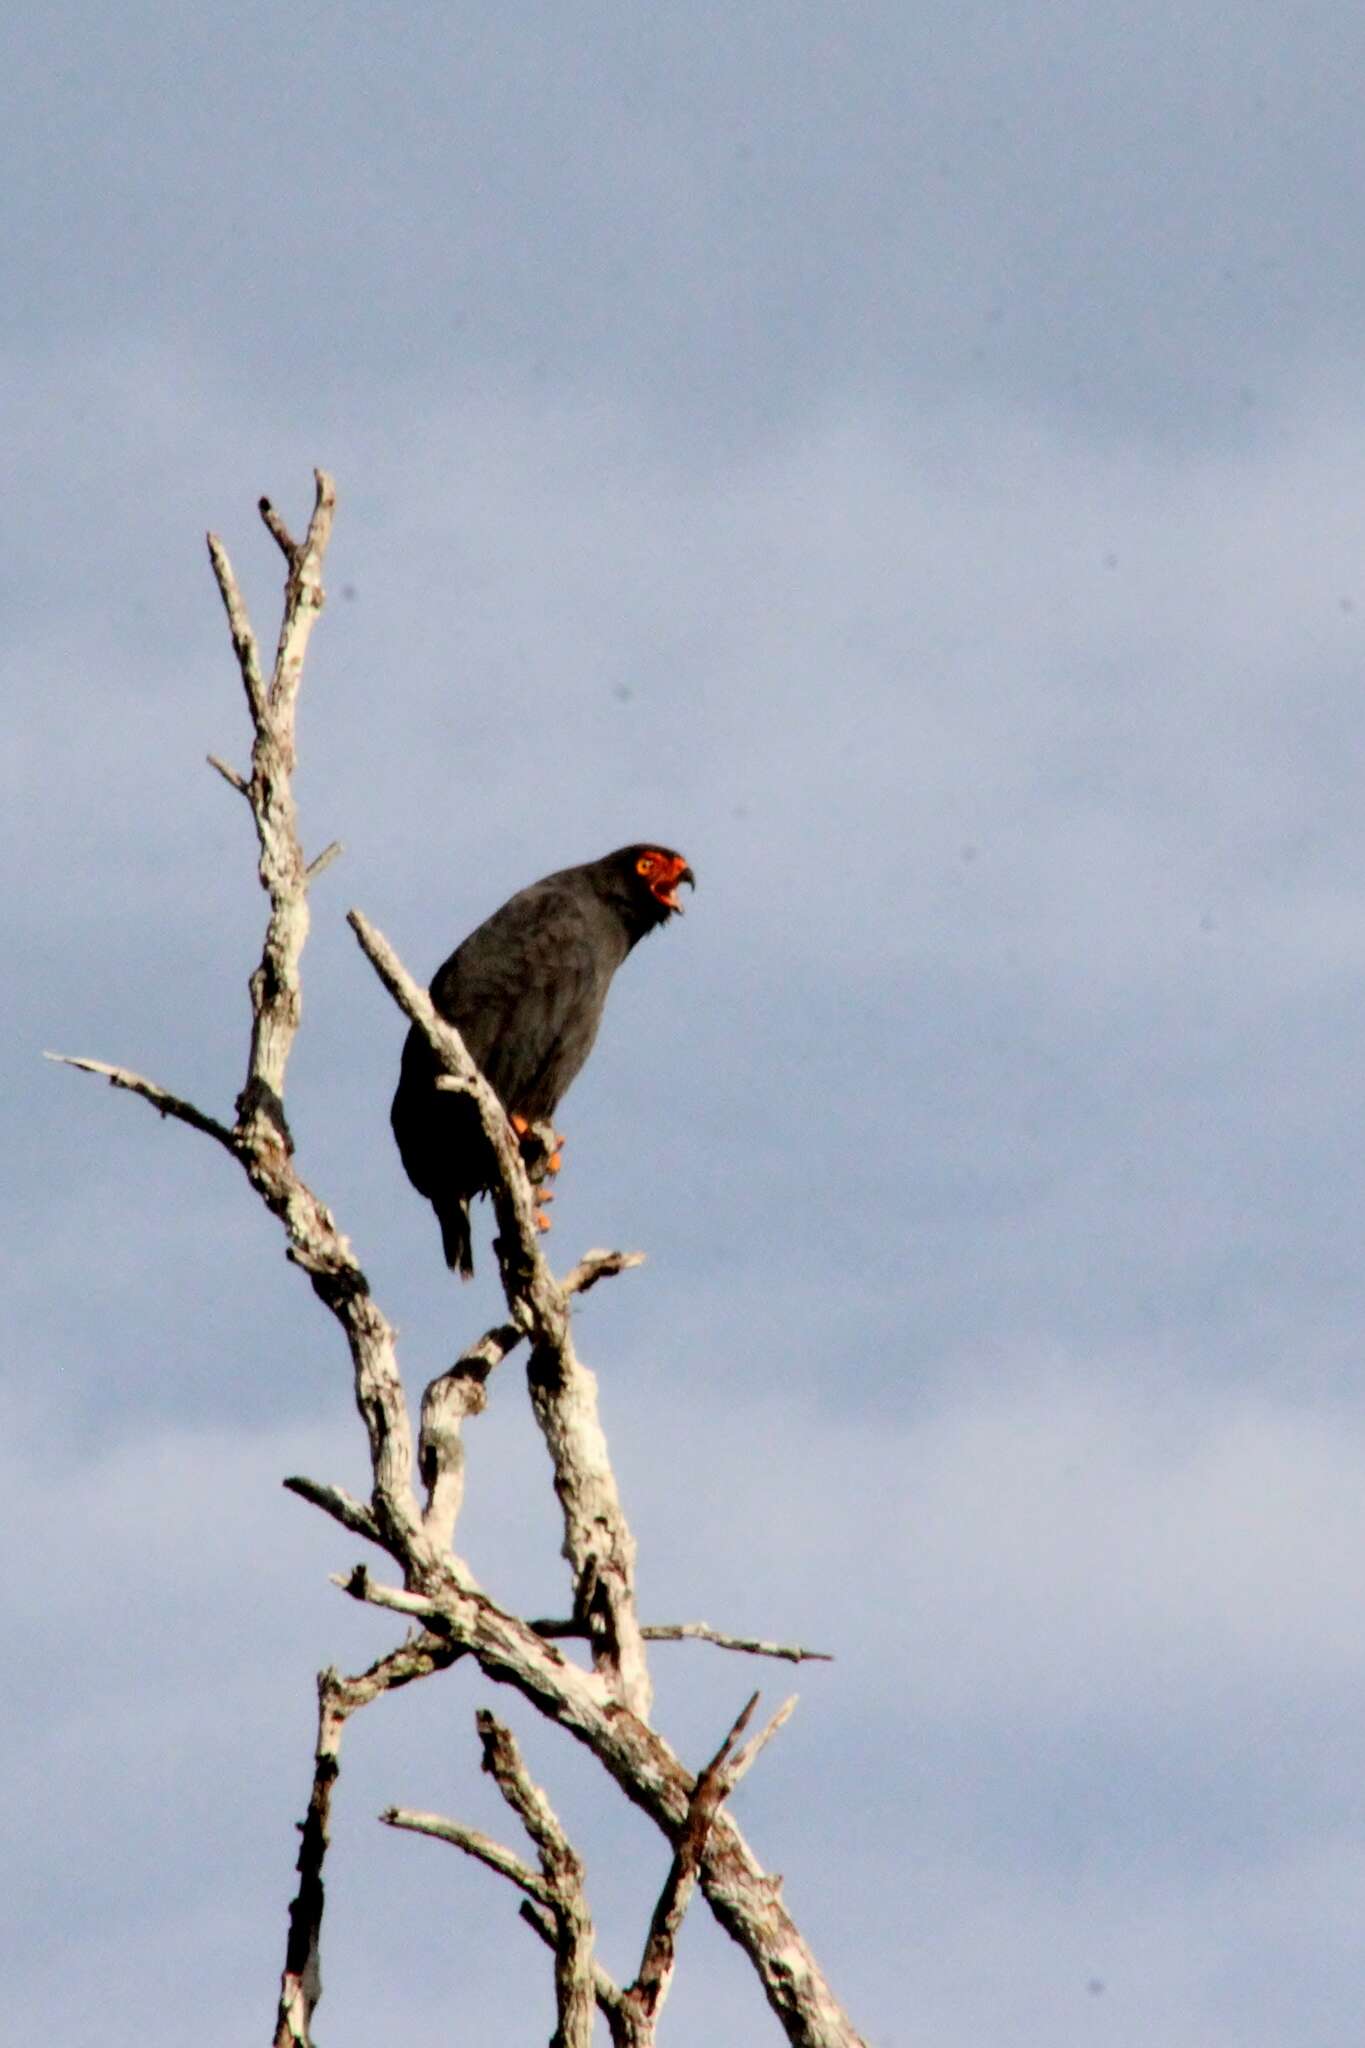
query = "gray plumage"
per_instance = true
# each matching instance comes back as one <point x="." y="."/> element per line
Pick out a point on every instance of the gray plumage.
<point x="525" y="991"/>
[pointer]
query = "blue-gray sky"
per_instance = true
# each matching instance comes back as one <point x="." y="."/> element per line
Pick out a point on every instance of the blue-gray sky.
<point x="911" y="462"/>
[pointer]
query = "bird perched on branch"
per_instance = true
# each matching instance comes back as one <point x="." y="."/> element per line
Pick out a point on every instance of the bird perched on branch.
<point x="525" y="992"/>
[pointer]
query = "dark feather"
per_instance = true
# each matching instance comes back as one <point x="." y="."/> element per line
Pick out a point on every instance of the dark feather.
<point x="525" y="991"/>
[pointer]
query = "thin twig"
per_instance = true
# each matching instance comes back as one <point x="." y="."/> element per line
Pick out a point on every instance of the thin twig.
<point x="279" y="532"/>
<point x="489" y="1351"/>
<point x="696" y="1631"/>
<point x="598" y="1265"/>
<point x="743" y="1758"/>
<point x="338" y="1699"/>
<point x="160" y="1098"/>
<point x="239" y="625"/>
<point x="323" y="860"/>
<point x="358" y="1583"/>
<point x="474" y="1843"/>
<point x="229" y="774"/>
<point x="343" y="1507"/>
<point x="454" y="1608"/>
<point x="641" y="2001"/>
<point x="575" y="1992"/>
<point x="536" y="1909"/>
<point x="754" y="1646"/>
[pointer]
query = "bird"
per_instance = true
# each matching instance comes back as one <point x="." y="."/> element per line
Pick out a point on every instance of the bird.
<point x="525" y="991"/>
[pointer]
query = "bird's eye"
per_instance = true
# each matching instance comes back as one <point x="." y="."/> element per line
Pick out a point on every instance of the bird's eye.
<point x="646" y="864"/>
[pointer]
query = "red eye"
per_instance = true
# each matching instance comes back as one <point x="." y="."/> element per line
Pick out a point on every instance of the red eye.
<point x="645" y="865"/>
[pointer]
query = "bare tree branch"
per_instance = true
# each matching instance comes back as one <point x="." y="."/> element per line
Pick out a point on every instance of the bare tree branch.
<point x="160" y="1098"/>
<point x="276" y="999"/>
<point x="474" y="1843"/>
<point x="463" y="1391"/>
<point x="536" y="1908"/>
<point x="597" y="1539"/>
<point x="754" y="1646"/>
<point x="642" y="2001"/>
<point x="575" y="1993"/>
<point x="745" y="1900"/>
<point x="489" y="1350"/>
<point x="459" y="1071"/>
<point x="338" y="1699"/>
<point x="605" y="1988"/>
<point x="598" y="1265"/>
<point x="358" y="1583"/>
<point x="301" y="1980"/>
<point x="604" y="1708"/>
<point x="447" y="1401"/>
<point x="335" y="1501"/>
<point x="694" y="1631"/>
<point x="239" y="625"/>
<point x="278" y="530"/>
<point x="323" y="860"/>
<point x="229" y="775"/>
<point x="743" y="1758"/>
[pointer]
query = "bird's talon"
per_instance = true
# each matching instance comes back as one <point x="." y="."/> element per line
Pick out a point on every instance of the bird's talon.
<point x="542" y="1221"/>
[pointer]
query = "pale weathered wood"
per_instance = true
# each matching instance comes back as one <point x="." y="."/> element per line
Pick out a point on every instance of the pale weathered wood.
<point x="562" y="1867"/>
<point x="604" y="1708"/>
<point x="338" y="1699"/>
<point x="597" y="1539"/>
<point x="700" y="1632"/>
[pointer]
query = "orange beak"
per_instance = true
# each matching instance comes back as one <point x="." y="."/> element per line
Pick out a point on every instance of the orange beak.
<point x="664" y="887"/>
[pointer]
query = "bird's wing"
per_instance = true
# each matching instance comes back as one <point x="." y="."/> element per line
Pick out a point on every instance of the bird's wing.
<point x="526" y="991"/>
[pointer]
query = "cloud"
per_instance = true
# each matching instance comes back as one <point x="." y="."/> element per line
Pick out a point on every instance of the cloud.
<point x="988" y="1123"/>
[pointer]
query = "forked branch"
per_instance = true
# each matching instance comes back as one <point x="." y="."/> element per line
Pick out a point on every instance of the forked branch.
<point x="605" y="1708"/>
<point x="597" y="1540"/>
<point x="338" y="1699"/>
<point x="556" y="1902"/>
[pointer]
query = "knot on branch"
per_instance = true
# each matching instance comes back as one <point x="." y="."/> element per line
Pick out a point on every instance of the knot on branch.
<point x="258" y="1103"/>
<point x="545" y="1368"/>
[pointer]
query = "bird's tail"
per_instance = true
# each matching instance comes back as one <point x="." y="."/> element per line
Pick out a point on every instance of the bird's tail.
<point x="455" y="1238"/>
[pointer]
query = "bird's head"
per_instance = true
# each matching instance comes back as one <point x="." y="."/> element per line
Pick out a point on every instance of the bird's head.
<point x="661" y="872"/>
<point x="642" y="882"/>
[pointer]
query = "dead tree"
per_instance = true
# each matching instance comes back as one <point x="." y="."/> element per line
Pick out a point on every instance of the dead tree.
<point x="411" y="1513"/>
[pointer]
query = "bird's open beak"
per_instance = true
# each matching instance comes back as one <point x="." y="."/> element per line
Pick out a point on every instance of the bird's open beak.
<point x="666" y="888"/>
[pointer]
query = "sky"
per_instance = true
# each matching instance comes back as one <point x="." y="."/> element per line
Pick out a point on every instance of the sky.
<point x="910" y="462"/>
